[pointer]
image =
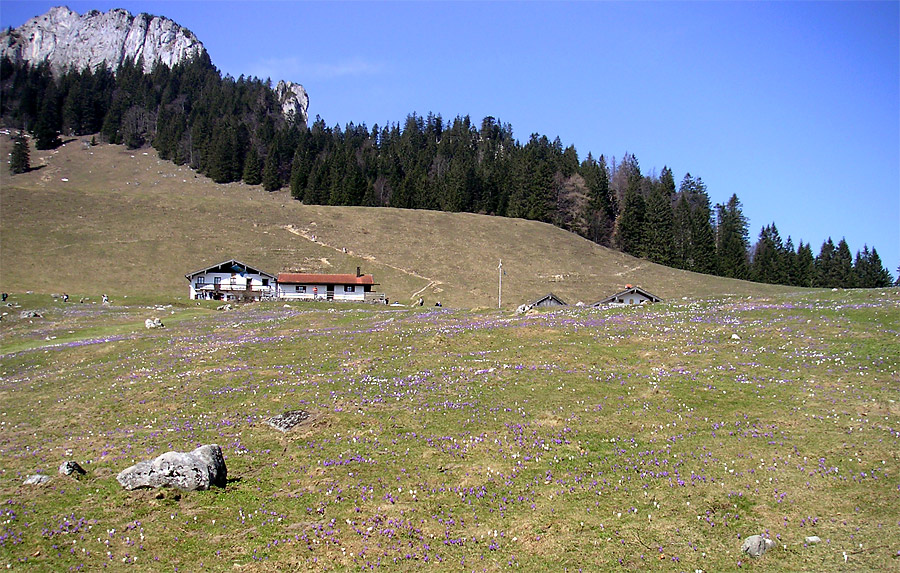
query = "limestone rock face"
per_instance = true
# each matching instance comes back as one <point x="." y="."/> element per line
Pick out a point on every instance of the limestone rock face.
<point x="294" y="101"/>
<point x="63" y="38"/>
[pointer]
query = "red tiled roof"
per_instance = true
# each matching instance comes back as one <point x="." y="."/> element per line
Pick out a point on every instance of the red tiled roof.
<point x="313" y="279"/>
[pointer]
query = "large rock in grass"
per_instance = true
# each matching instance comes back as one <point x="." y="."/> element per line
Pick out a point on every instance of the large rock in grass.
<point x="196" y="470"/>
<point x="756" y="545"/>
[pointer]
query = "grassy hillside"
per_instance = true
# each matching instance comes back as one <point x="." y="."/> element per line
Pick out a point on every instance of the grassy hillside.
<point x="99" y="219"/>
<point x="636" y="439"/>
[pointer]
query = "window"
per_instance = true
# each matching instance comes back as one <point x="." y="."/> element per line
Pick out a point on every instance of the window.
<point x="349" y="288"/>
<point x="217" y="280"/>
<point x="265" y="282"/>
<point x="201" y="281"/>
<point x="300" y="288"/>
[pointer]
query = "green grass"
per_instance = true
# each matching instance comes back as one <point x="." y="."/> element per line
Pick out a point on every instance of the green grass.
<point x="623" y="439"/>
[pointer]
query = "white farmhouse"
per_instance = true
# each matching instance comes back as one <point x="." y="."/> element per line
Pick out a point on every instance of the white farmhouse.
<point x="308" y="286"/>
<point x="231" y="280"/>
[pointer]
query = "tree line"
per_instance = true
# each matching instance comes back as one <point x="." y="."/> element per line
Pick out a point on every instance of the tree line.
<point x="233" y="130"/>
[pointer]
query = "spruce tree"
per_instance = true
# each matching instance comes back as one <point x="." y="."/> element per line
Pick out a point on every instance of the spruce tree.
<point x="844" y="266"/>
<point x="252" y="168"/>
<point x="659" y="227"/>
<point x="769" y="263"/>
<point x="630" y="225"/>
<point x="271" y="179"/>
<point x="46" y="129"/>
<point x="881" y="277"/>
<point x="19" y="161"/>
<point x="868" y="270"/>
<point x="825" y="276"/>
<point x="805" y="266"/>
<point x="682" y="234"/>
<point x="733" y="243"/>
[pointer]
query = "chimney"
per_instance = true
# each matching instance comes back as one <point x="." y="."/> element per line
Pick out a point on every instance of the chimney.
<point x="358" y="274"/>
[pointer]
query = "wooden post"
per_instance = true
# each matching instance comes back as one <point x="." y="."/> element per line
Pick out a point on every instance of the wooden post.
<point x="500" y="287"/>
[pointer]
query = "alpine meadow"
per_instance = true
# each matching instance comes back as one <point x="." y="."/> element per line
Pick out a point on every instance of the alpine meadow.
<point x="747" y="421"/>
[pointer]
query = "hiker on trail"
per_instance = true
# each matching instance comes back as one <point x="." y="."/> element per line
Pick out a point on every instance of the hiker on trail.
<point x="105" y="299"/>
<point x="5" y="296"/>
<point x="65" y="297"/>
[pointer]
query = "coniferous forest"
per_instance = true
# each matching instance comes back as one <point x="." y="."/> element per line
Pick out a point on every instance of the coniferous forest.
<point x="233" y="130"/>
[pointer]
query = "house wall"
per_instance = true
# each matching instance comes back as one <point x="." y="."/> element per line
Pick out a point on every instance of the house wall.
<point x="232" y="283"/>
<point x="289" y="292"/>
<point x="632" y="299"/>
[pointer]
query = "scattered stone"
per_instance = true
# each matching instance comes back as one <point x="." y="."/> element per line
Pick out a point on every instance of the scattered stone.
<point x="224" y="307"/>
<point x="287" y="420"/>
<point x="188" y="471"/>
<point x="813" y="539"/>
<point x="71" y="467"/>
<point x="153" y="323"/>
<point x="36" y="479"/>
<point x="29" y="314"/>
<point x="756" y="545"/>
<point x="735" y="337"/>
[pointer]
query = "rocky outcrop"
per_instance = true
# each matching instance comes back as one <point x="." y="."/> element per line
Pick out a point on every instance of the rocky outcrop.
<point x="63" y="38"/>
<point x="294" y="101"/>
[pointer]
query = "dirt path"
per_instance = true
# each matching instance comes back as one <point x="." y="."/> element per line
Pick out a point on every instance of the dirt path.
<point x="310" y="236"/>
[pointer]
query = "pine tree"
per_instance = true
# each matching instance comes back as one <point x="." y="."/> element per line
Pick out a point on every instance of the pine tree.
<point x="630" y="225"/>
<point x="252" y="168"/>
<point x="682" y="234"/>
<point x="769" y="263"/>
<point x="659" y="227"/>
<point x="805" y="265"/>
<point x="868" y="270"/>
<point x="844" y="266"/>
<point x="46" y="129"/>
<point x="881" y="277"/>
<point x="733" y="243"/>
<point x="19" y="161"/>
<point x="271" y="180"/>
<point x="825" y="276"/>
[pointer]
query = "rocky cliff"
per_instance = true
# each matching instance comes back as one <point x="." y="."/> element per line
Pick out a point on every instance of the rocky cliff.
<point x="64" y="39"/>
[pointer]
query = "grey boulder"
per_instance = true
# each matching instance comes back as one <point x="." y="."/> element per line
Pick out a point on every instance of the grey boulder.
<point x="188" y="471"/>
<point x="756" y="545"/>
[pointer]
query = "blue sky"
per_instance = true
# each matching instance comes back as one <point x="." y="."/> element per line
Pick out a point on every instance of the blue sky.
<point x="793" y="106"/>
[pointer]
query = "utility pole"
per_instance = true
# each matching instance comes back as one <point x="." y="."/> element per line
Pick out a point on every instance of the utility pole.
<point x="500" y="288"/>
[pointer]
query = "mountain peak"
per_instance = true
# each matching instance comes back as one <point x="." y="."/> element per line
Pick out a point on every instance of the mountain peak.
<point x="64" y="39"/>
